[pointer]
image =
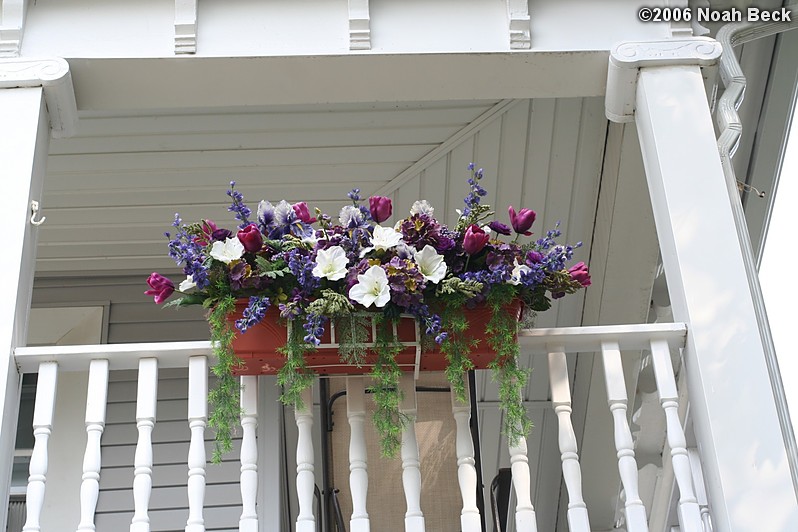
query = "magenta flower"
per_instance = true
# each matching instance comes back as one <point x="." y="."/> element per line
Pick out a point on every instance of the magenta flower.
<point x="160" y="287"/>
<point x="251" y="238"/>
<point x="475" y="239"/>
<point x="522" y="221"/>
<point x="380" y="208"/>
<point x="302" y="212"/>
<point x="580" y="274"/>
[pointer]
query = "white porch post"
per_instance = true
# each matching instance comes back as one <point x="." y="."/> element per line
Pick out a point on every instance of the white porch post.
<point x="742" y="448"/>
<point x="24" y="138"/>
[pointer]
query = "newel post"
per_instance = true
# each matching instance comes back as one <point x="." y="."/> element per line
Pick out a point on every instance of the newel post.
<point x="25" y="127"/>
<point x="742" y="445"/>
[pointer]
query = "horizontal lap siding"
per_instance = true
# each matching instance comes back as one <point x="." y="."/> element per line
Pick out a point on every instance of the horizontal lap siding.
<point x="133" y="316"/>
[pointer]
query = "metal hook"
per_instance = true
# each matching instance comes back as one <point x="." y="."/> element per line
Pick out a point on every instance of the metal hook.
<point x="34" y="210"/>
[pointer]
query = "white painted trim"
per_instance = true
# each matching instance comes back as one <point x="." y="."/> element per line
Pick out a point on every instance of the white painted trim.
<point x="174" y="83"/>
<point x="54" y="76"/>
<point x="585" y="339"/>
<point x="359" y="25"/>
<point x="177" y="354"/>
<point x="12" y="13"/>
<point x="724" y="358"/>
<point x="185" y="26"/>
<point x="120" y="356"/>
<point x="628" y="57"/>
<point x="518" y="24"/>
<point x="23" y="150"/>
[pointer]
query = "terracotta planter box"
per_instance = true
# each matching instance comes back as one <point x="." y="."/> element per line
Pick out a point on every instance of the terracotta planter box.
<point x="257" y="348"/>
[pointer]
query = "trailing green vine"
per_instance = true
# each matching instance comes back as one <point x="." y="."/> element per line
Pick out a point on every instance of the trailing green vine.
<point x="388" y="420"/>
<point x="224" y="398"/>
<point x="295" y="377"/>
<point x="457" y="347"/>
<point x="353" y="334"/>
<point x="502" y="330"/>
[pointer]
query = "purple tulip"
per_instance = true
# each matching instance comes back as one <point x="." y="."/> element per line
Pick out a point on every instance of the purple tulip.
<point x="251" y="238"/>
<point x="302" y="212"/>
<point x="580" y="274"/>
<point x="475" y="239"/>
<point x="522" y="221"/>
<point x="380" y="208"/>
<point x="499" y="227"/>
<point x="160" y="287"/>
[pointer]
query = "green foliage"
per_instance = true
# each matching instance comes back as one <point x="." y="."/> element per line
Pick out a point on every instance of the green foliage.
<point x="456" y="286"/>
<point x="501" y="332"/>
<point x="388" y="420"/>
<point x="271" y="269"/>
<point x="224" y="398"/>
<point x="295" y="377"/>
<point x="331" y="304"/>
<point x="352" y="332"/>
<point x="457" y="347"/>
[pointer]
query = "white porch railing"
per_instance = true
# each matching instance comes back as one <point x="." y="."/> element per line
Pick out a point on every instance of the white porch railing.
<point x="609" y="341"/>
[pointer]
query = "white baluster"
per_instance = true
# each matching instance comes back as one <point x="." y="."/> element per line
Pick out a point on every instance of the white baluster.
<point x="197" y="420"/>
<point x="411" y="472"/>
<point x="578" y="520"/>
<point x="624" y="445"/>
<point x="689" y="512"/>
<point x="305" y="480"/>
<point x="147" y="396"/>
<point x="466" y="472"/>
<point x="95" y="423"/>
<point x="358" y="472"/>
<point x="249" y="454"/>
<point x="42" y="427"/>
<point x="525" y="518"/>
<point x="700" y="490"/>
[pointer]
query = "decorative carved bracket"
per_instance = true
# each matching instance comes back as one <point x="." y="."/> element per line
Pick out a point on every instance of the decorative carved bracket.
<point x="185" y="26"/>
<point x="59" y="94"/>
<point x="518" y="14"/>
<point x="359" y="25"/>
<point x="628" y="57"/>
<point x="12" y="13"/>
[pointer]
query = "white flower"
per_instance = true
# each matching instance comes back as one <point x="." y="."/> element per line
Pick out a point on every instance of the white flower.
<point x="515" y="276"/>
<point x="228" y="251"/>
<point x="331" y="263"/>
<point x="371" y="287"/>
<point x="430" y="264"/>
<point x="382" y="239"/>
<point x="422" y="207"/>
<point x="187" y="284"/>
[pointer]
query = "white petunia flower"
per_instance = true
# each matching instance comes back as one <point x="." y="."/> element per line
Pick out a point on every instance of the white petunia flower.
<point x="430" y="264"/>
<point x="331" y="263"/>
<point x="371" y="287"/>
<point x="228" y="251"/>
<point x="422" y="207"/>
<point x="187" y="284"/>
<point x="515" y="276"/>
<point x="382" y="239"/>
